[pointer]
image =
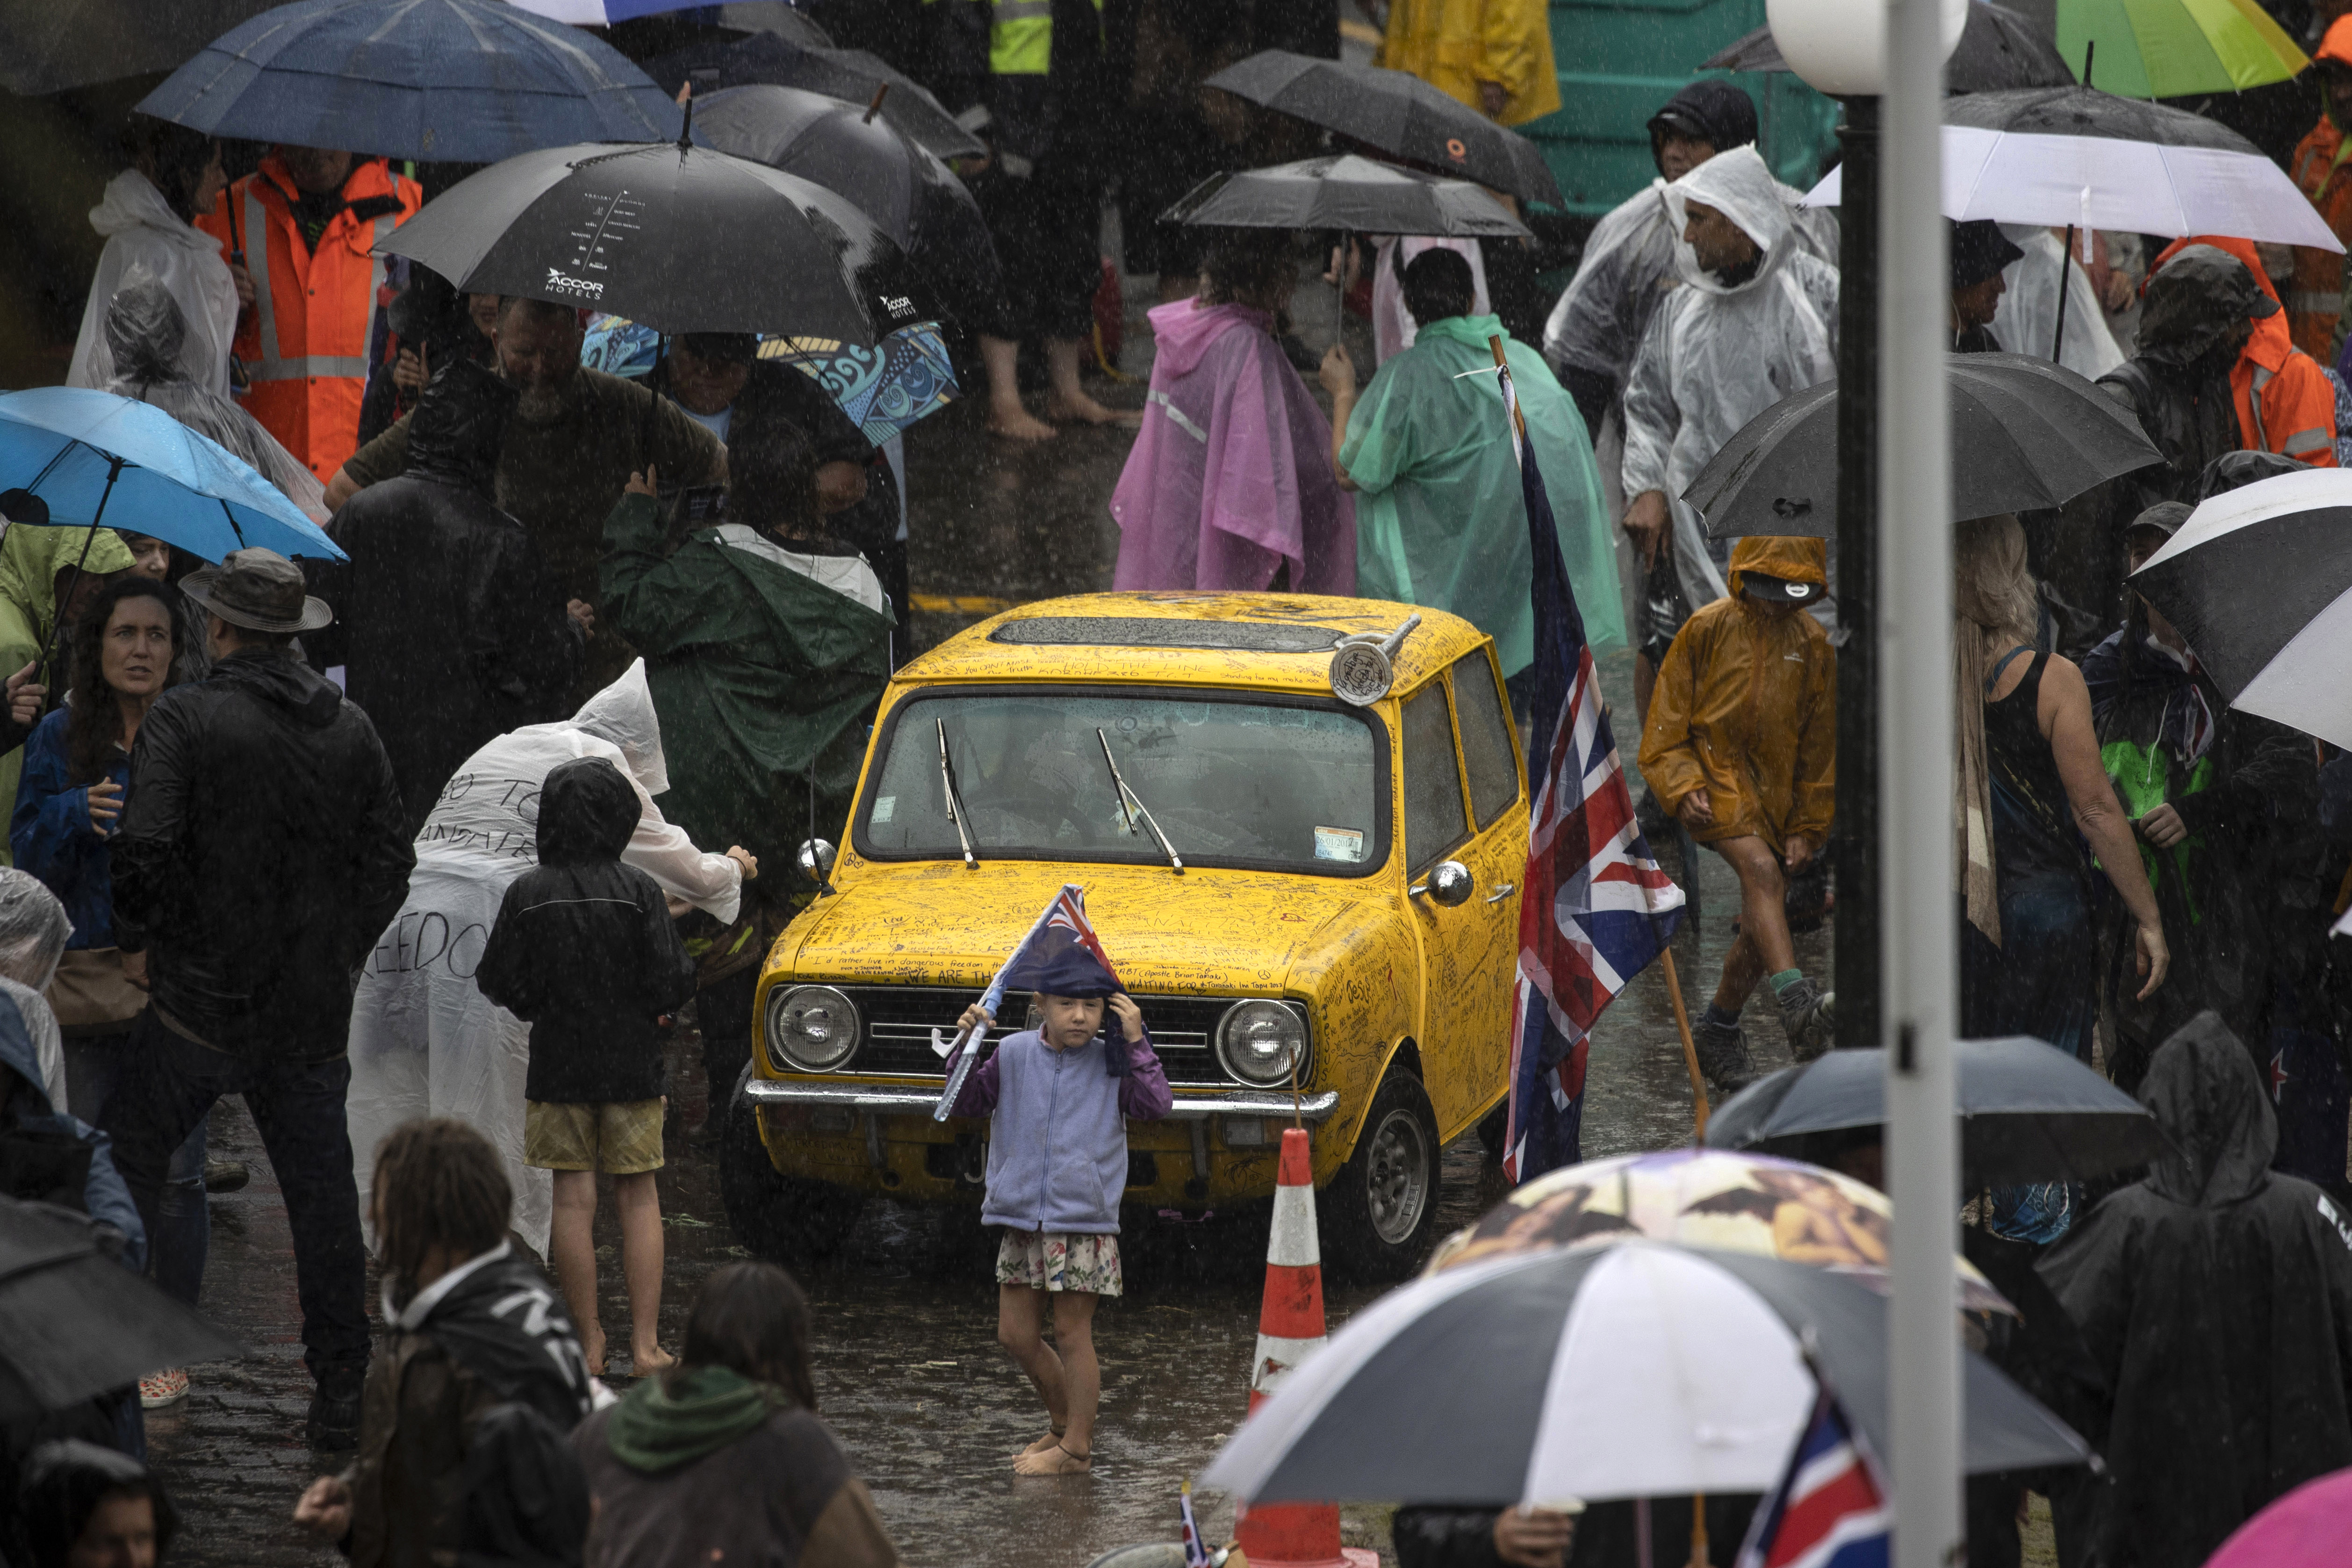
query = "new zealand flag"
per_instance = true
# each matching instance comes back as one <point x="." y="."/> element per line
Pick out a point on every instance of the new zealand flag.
<point x="1596" y="907"/>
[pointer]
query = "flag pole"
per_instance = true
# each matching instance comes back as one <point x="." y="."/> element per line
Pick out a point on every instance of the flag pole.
<point x="1665" y="950"/>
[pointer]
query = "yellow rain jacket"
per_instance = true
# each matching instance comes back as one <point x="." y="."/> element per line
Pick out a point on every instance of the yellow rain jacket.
<point x="1454" y="45"/>
<point x="1746" y="708"/>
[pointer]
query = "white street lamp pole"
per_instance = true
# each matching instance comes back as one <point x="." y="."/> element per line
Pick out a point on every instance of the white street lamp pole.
<point x="1915" y="719"/>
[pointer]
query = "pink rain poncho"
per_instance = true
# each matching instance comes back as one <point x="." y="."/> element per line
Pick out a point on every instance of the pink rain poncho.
<point x="1230" y="476"/>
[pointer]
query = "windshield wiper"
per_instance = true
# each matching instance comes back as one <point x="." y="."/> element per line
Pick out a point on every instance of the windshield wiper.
<point x="956" y="813"/>
<point x="1131" y="805"/>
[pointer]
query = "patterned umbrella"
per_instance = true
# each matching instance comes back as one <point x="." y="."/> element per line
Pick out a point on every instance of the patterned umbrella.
<point x="1702" y="1197"/>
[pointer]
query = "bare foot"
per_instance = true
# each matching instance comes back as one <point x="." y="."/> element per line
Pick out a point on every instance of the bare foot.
<point x="1055" y="1461"/>
<point x="1084" y="410"/>
<point x="1050" y="1440"/>
<point x="650" y="1360"/>
<point x="1017" y="424"/>
<point x="591" y="1344"/>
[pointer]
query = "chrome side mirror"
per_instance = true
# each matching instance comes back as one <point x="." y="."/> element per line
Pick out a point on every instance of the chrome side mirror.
<point x="1450" y="885"/>
<point x="815" y="858"/>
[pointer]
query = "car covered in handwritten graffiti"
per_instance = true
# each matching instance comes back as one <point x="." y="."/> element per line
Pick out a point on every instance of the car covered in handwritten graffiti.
<point x="1299" y="824"/>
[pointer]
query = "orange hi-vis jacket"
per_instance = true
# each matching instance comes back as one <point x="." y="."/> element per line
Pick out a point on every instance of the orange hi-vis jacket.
<point x="304" y="344"/>
<point x="1746" y="708"/>
<point x="2285" y="402"/>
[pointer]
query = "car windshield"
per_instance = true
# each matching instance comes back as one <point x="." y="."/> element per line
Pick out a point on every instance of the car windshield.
<point x="1237" y="783"/>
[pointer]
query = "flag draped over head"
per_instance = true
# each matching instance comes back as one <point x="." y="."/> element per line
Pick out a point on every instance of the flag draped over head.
<point x="1829" y="1511"/>
<point x="1596" y="907"/>
<point x="1061" y="956"/>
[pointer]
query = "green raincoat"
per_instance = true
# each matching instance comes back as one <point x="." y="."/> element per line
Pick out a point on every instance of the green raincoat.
<point x="1439" y="519"/>
<point x="30" y="559"/>
<point x="759" y="676"/>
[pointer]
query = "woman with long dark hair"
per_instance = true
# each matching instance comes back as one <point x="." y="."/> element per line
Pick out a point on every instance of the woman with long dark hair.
<point x="75" y="788"/>
<point x="722" y="1456"/>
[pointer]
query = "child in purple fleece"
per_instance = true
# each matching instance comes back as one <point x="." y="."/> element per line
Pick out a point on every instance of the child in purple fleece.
<point x="1059" y="1098"/>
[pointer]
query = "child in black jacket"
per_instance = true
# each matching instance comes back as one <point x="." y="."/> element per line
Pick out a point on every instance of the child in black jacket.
<point x="584" y="951"/>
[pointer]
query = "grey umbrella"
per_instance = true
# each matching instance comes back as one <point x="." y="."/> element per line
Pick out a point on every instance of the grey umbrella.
<point x="2028" y="1113"/>
<point x="1537" y="1370"/>
<point x="2026" y="434"/>
<point x="1998" y="48"/>
<point x="75" y="1323"/>
<point x="1345" y="192"/>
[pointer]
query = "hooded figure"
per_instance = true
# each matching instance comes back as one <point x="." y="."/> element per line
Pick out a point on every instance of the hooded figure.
<point x="1441" y="519"/>
<point x="142" y="232"/>
<point x="1627" y="266"/>
<point x="2026" y="320"/>
<point x="424" y="1040"/>
<point x="65" y="1482"/>
<point x="1230" y="482"/>
<point x="449" y="625"/>
<point x="34" y="931"/>
<point x="1719" y="352"/>
<point x="146" y="333"/>
<point x="585" y="949"/>
<point x="47" y="1155"/>
<point x="2286" y="403"/>
<point x="36" y="562"/>
<point x="1745" y="707"/>
<point x="2216" y="1298"/>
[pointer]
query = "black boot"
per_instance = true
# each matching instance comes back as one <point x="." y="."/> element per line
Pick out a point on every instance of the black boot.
<point x="334" y="1424"/>
<point x="1809" y="1017"/>
<point x="1723" y="1056"/>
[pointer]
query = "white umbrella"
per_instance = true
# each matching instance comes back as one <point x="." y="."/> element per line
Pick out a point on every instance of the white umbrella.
<point x="2104" y="182"/>
<point x="1631" y="1369"/>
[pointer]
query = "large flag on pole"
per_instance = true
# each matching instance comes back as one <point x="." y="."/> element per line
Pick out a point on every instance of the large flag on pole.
<point x="1596" y="907"/>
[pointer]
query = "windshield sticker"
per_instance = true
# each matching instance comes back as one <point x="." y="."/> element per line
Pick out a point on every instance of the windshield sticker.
<point x="884" y="805"/>
<point x="1339" y="844"/>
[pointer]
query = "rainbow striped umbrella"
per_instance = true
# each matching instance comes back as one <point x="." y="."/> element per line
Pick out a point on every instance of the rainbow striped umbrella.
<point x="2171" y="48"/>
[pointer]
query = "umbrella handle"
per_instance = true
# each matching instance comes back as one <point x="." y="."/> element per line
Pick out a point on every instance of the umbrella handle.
<point x="57" y="610"/>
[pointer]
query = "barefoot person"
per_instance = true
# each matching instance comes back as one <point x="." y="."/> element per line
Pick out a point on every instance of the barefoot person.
<point x="1059" y="1097"/>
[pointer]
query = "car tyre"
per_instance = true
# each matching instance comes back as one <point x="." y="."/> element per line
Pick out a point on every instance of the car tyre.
<point x="1380" y="1210"/>
<point x="786" y="1220"/>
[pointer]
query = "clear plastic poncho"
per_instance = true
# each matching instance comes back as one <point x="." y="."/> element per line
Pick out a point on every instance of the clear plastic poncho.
<point x="2028" y="314"/>
<point x="424" y="1041"/>
<point x="1628" y="267"/>
<point x="34" y="931"/>
<point x="141" y="230"/>
<point x="146" y="333"/>
<point x="1716" y="355"/>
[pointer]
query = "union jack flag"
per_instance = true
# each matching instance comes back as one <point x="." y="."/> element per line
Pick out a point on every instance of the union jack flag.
<point x="1829" y="1511"/>
<point x="1596" y="907"/>
<point x="1196" y="1551"/>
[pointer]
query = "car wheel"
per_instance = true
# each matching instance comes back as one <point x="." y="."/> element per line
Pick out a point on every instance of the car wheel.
<point x="787" y="1220"/>
<point x="1380" y="1210"/>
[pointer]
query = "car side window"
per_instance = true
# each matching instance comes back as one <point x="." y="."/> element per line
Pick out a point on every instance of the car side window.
<point x="1434" y="819"/>
<point x="1485" y="737"/>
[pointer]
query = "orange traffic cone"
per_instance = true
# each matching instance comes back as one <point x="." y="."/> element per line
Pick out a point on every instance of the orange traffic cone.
<point x="1290" y="1328"/>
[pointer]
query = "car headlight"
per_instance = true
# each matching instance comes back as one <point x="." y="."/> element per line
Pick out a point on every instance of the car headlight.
<point x="1260" y="1042"/>
<point x="813" y="1028"/>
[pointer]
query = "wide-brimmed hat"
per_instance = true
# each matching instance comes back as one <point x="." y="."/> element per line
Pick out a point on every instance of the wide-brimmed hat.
<point x="1978" y="250"/>
<point x="260" y="590"/>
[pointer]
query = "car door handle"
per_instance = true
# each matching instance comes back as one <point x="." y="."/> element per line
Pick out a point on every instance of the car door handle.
<point x="1502" y="890"/>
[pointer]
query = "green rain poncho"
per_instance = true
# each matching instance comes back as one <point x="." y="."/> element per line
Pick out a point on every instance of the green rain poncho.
<point x="1439" y="521"/>
<point x="31" y="556"/>
<point x="762" y="679"/>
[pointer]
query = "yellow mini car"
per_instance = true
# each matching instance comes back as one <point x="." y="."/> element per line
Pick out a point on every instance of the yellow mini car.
<point x="1299" y="836"/>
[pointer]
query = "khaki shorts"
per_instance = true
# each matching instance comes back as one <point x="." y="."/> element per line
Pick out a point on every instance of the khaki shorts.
<point x="621" y="1140"/>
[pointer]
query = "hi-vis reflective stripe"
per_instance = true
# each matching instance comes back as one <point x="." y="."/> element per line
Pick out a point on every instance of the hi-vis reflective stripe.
<point x="1292" y="1243"/>
<point x="302" y="367"/>
<point x="257" y="266"/>
<point x="1177" y="417"/>
<point x="2312" y="302"/>
<point x="275" y="366"/>
<point x="2302" y="441"/>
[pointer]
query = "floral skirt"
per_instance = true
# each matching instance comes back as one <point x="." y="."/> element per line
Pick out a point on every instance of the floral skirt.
<point x="1054" y="1260"/>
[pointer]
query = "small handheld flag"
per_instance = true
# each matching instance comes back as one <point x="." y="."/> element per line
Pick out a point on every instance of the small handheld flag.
<point x="1830" y="1509"/>
<point x="1196" y="1551"/>
<point x="1060" y="956"/>
<point x="1596" y="909"/>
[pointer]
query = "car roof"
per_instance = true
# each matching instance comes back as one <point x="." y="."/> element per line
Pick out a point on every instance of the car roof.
<point x="1267" y="642"/>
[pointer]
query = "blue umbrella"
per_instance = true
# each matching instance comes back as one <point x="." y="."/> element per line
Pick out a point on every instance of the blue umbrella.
<point x="82" y="451"/>
<point x="460" y="82"/>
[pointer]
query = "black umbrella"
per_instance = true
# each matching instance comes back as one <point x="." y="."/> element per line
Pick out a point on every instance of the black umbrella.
<point x="851" y="75"/>
<point x="917" y="200"/>
<point x="1626" y="1369"/>
<point x="1393" y="112"/>
<point x="2026" y="434"/>
<point x="75" y="1323"/>
<point x="786" y="20"/>
<point x="2258" y="581"/>
<point x="1997" y="48"/>
<point x="2072" y="111"/>
<point x="1346" y="192"/>
<point x="681" y="238"/>
<point x="2028" y="1113"/>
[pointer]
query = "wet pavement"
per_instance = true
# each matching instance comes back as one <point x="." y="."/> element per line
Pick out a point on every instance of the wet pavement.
<point x="908" y="1369"/>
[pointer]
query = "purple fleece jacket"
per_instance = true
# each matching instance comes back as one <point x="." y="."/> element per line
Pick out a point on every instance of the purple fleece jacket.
<point x="1057" y="1145"/>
